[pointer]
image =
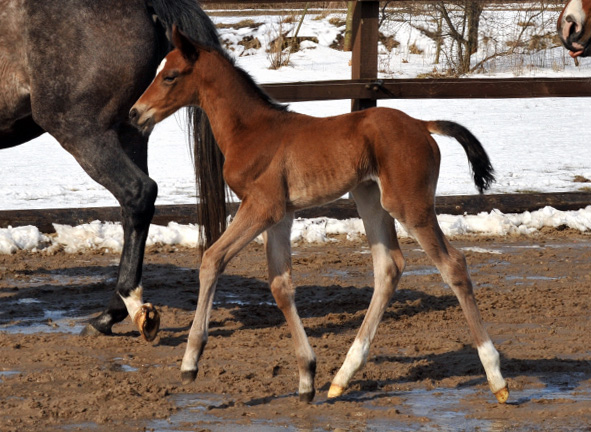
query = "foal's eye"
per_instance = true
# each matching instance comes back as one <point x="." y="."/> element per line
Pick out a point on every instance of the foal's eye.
<point x="170" y="77"/>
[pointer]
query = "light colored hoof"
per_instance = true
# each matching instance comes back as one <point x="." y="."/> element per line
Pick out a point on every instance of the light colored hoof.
<point x="502" y="395"/>
<point x="335" y="391"/>
<point x="147" y="320"/>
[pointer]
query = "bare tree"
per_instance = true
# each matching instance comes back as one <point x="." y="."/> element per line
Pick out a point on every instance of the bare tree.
<point x="460" y="22"/>
<point x="469" y="34"/>
<point x="348" y="42"/>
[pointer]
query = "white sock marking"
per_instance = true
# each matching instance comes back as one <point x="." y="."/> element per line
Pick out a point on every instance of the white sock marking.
<point x="356" y="358"/>
<point x="490" y="359"/>
<point x="134" y="302"/>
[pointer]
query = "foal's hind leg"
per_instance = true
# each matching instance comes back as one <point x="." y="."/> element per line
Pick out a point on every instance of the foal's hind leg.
<point x="388" y="265"/>
<point x="452" y="266"/>
<point x="278" y="247"/>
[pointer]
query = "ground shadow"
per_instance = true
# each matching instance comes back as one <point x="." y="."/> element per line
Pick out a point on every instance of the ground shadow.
<point x="562" y="374"/>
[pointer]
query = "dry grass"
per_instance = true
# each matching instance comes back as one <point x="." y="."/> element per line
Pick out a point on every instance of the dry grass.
<point x="413" y="49"/>
<point x="245" y="23"/>
<point x="581" y="179"/>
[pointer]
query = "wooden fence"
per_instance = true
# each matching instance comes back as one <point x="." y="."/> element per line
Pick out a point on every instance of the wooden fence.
<point x="341" y="209"/>
<point x="364" y="89"/>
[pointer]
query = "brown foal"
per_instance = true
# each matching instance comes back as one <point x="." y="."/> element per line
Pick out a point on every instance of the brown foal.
<point x="279" y="161"/>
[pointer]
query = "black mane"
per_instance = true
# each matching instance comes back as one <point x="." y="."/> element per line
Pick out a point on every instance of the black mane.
<point x="190" y="18"/>
<point x="249" y="80"/>
<point x="197" y="26"/>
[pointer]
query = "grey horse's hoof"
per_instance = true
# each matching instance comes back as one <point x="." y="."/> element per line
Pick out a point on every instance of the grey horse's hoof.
<point x="147" y="320"/>
<point x="90" y="330"/>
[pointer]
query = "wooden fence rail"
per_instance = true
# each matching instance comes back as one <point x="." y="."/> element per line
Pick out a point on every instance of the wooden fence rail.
<point x="365" y="88"/>
<point x="341" y="209"/>
<point x="438" y="88"/>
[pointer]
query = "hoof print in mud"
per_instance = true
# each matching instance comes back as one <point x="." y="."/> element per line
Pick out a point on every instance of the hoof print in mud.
<point x="147" y="320"/>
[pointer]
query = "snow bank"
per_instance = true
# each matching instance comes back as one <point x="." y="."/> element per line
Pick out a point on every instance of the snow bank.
<point x="109" y="236"/>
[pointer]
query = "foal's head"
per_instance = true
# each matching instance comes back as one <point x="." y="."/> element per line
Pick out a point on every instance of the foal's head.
<point x="574" y="27"/>
<point x="172" y="87"/>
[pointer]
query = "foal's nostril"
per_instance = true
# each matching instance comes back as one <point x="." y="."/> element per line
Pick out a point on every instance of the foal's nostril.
<point x="133" y="114"/>
<point x="572" y="26"/>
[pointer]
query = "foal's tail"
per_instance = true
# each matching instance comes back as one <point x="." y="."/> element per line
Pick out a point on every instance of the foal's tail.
<point x="482" y="169"/>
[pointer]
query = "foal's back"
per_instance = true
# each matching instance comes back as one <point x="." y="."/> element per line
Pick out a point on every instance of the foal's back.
<point x="325" y="158"/>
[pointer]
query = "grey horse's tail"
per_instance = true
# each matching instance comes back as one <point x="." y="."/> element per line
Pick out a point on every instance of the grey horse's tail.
<point x="208" y="159"/>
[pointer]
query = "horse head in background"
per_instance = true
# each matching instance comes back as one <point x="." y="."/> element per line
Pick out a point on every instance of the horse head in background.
<point x="574" y="28"/>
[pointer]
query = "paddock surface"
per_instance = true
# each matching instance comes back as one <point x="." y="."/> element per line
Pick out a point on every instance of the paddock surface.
<point x="423" y="374"/>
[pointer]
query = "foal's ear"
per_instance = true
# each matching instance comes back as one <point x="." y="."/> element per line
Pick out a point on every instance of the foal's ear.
<point x="186" y="46"/>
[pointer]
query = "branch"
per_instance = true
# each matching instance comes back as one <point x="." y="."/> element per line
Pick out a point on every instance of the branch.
<point x="453" y="32"/>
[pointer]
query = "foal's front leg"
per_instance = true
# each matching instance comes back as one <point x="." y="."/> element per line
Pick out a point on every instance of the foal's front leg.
<point x="278" y="248"/>
<point x="244" y="228"/>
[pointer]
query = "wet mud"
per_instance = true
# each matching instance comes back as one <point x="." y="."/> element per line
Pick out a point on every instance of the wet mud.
<point x="423" y="372"/>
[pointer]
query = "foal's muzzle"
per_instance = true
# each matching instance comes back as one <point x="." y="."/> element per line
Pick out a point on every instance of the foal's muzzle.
<point x="145" y="123"/>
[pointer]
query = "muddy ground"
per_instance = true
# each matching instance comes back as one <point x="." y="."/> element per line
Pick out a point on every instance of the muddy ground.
<point x="423" y="373"/>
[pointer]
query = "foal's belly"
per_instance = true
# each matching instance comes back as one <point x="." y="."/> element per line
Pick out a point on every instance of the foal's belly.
<point x="308" y="193"/>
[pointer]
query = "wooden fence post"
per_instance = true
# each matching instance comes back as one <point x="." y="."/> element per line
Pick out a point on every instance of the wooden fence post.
<point x="364" y="64"/>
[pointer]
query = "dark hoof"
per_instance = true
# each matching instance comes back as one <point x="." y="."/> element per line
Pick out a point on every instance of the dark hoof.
<point x="307" y="397"/>
<point x="90" y="330"/>
<point x="187" y="377"/>
<point x="147" y="320"/>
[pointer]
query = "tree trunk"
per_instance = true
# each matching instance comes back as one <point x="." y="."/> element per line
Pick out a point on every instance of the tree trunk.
<point x="473" y="10"/>
<point x="348" y="42"/>
<point x="439" y="38"/>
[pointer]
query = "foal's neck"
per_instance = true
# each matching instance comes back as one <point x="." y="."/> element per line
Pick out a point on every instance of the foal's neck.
<point x="232" y="103"/>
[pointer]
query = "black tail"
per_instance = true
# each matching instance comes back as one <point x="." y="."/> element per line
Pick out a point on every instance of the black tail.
<point x="208" y="159"/>
<point x="482" y="169"/>
<point x="211" y="188"/>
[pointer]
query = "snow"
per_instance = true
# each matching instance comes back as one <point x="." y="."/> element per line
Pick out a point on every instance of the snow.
<point x="536" y="145"/>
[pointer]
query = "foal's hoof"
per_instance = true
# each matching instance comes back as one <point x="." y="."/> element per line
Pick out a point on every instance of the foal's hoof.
<point x="147" y="320"/>
<point x="307" y="397"/>
<point x="335" y="391"/>
<point x="502" y="395"/>
<point x="187" y="377"/>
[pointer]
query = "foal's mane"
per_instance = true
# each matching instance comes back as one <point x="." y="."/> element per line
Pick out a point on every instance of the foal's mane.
<point x="251" y="83"/>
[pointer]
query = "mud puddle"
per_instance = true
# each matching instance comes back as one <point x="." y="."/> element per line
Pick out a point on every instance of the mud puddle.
<point x="42" y="320"/>
<point x="437" y="410"/>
